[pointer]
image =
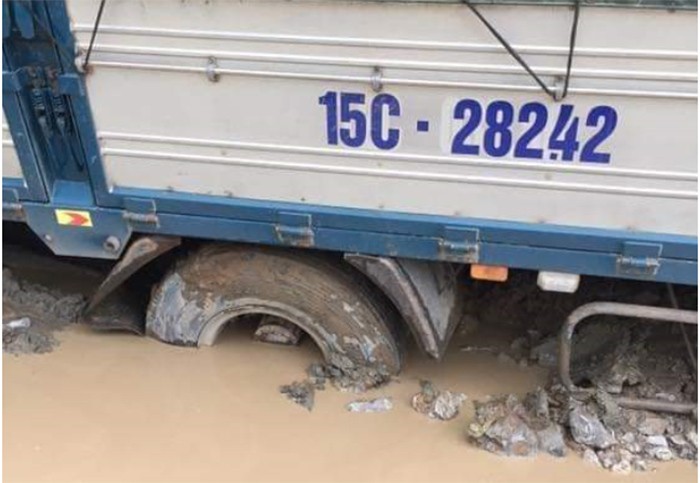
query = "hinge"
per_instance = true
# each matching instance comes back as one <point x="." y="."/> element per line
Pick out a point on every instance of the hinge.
<point x="459" y="245"/>
<point x="294" y="229"/>
<point x="139" y="210"/>
<point x="639" y="259"/>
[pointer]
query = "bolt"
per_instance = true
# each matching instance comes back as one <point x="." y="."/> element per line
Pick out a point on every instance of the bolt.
<point x="376" y="79"/>
<point x="112" y="244"/>
<point x="48" y="238"/>
<point x="212" y="65"/>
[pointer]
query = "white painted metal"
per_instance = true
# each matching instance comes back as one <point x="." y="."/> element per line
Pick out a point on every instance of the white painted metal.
<point x="10" y="162"/>
<point x="259" y="132"/>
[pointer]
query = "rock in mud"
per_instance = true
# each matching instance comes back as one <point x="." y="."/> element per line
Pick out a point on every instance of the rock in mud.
<point x="590" y="456"/>
<point x="616" y="460"/>
<point x="551" y="440"/>
<point x="443" y="405"/>
<point x="378" y="405"/>
<point x="346" y="375"/>
<point x="657" y="447"/>
<point x="32" y="312"/>
<point x="318" y="375"/>
<point x="21" y="339"/>
<point x="587" y="429"/>
<point x="653" y="424"/>
<point x="510" y="427"/>
<point x="301" y="393"/>
<point x="512" y="437"/>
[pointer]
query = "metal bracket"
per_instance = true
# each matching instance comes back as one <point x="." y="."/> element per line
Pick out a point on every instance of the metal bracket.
<point x="211" y="69"/>
<point x="140" y="210"/>
<point x="376" y="79"/>
<point x="459" y="245"/>
<point x="643" y="312"/>
<point x="294" y="229"/>
<point x="71" y="85"/>
<point x="639" y="259"/>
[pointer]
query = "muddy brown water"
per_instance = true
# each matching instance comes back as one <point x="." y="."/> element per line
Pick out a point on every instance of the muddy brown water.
<point x="117" y="407"/>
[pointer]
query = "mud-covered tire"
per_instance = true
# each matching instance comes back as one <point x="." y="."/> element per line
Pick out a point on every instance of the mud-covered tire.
<point x="333" y="304"/>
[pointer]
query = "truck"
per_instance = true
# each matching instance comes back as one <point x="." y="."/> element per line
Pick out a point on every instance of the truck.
<point x="339" y="167"/>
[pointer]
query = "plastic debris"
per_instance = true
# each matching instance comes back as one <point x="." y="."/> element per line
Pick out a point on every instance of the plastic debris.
<point x="378" y="405"/>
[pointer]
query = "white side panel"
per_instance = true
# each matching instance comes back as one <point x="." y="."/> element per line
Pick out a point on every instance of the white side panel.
<point x="10" y="162"/>
<point x="259" y="130"/>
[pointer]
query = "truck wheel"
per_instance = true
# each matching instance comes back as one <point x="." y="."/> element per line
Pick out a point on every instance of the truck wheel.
<point x="350" y="322"/>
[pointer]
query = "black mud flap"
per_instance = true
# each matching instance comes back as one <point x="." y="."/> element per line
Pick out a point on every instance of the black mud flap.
<point x="111" y="306"/>
<point x="426" y="294"/>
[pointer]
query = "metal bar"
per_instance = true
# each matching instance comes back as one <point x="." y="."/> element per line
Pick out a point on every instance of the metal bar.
<point x="269" y="57"/>
<point x="395" y="174"/>
<point x="402" y="157"/>
<point x="624" y="310"/>
<point x="387" y="43"/>
<point x="393" y="81"/>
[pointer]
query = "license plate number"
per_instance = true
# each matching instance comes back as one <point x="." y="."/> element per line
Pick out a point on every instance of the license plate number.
<point x="492" y="129"/>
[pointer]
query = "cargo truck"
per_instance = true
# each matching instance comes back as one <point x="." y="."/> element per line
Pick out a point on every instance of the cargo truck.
<point x="340" y="166"/>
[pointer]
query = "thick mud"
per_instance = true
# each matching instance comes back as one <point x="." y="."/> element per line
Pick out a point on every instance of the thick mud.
<point x="33" y="312"/>
<point x="117" y="407"/>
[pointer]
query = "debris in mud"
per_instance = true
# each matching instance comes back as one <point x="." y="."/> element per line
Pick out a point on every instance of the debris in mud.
<point x="474" y="348"/>
<point x="512" y="427"/>
<point x="437" y="404"/>
<point x="345" y="375"/>
<point x="17" y="338"/>
<point x="274" y="330"/>
<point x="587" y="429"/>
<point x="301" y="393"/>
<point x="341" y="373"/>
<point x="596" y="427"/>
<point x="378" y="405"/>
<point x="32" y="312"/>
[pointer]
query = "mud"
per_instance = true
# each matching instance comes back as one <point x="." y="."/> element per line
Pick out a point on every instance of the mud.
<point x="80" y="412"/>
<point x="32" y="313"/>
<point x="595" y="427"/>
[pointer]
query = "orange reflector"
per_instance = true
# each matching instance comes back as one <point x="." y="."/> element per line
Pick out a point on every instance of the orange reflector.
<point x="489" y="272"/>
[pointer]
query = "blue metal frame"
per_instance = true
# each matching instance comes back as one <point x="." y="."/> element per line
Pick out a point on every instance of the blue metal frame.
<point x="121" y="211"/>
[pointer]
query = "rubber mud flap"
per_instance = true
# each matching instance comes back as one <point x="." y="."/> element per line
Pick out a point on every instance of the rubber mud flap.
<point x="348" y="318"/>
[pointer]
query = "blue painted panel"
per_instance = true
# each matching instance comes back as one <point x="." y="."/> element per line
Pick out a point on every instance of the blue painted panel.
<point x="35" y="189"/>
<point x="17" y="185"/>
<point x="517" y="256"/>
<point x="528" y="234"/>
<point x="80" y="241"/>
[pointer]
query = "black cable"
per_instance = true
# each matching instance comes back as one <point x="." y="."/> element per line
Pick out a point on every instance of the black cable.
<point x="94" y="33"/>
<point x="572" y="44"/>
<point x="521" y="61"/>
